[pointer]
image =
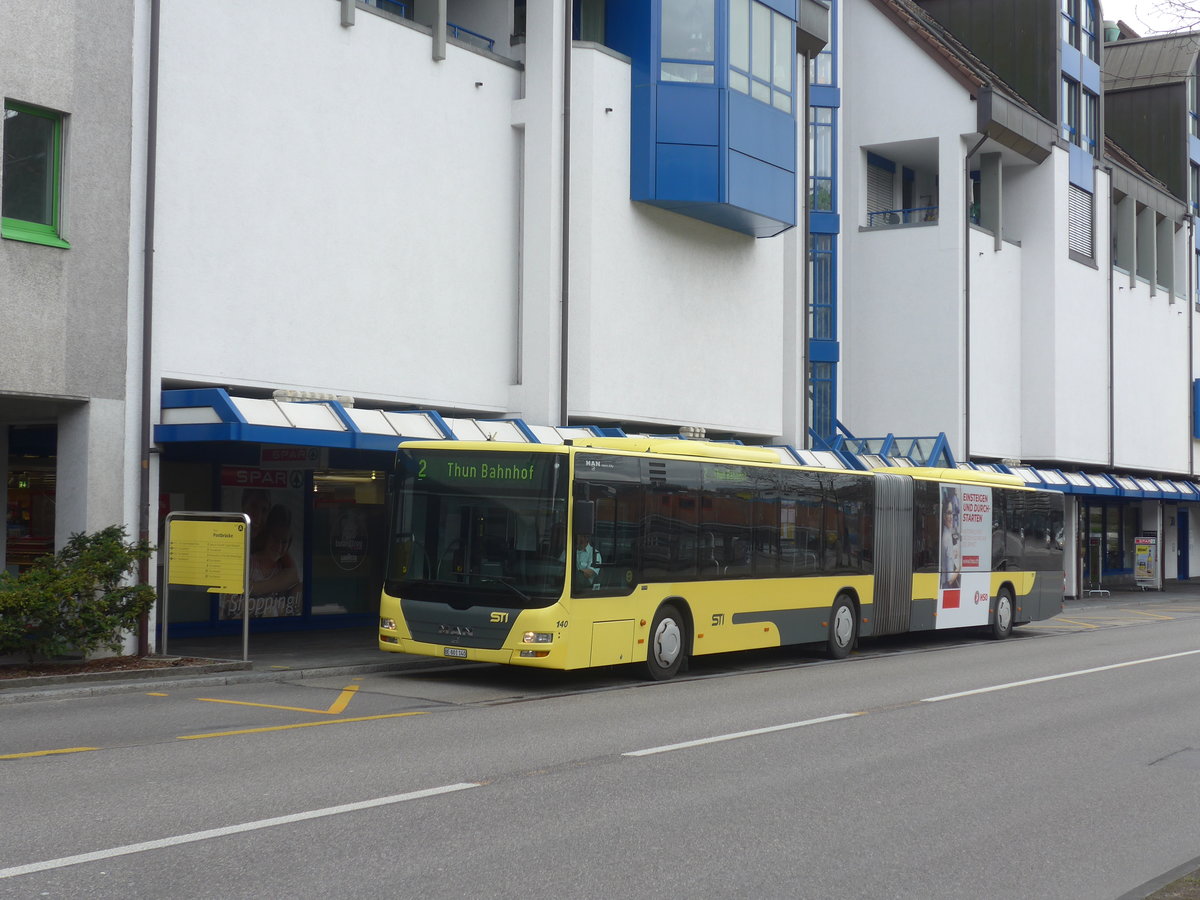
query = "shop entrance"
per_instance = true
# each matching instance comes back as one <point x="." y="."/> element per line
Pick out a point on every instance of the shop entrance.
<point x="1109" y="545"/>
<point x="317" y="535"/>
<point x="30" y="482"/>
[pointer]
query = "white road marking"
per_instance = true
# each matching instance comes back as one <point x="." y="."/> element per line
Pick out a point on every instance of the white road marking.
<point x="1028" y="681"/>
<point x="740" y="734"/>
<point x="195" y="836"/>
<point x="650" y="751"/>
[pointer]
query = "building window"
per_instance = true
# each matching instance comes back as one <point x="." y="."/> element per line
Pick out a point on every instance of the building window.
<point x="1070" y="111"/>
<point x="1090" y="122"/>
<point x="1079" y="26"/>
<point x="821" y="399"/>
<point x="688" y="41"/>
<point x="1080" y="116"/>
<point x="881" y="191"/>
<point x="1088" y="28"/>
<point x="1196" y="280"/>
<point x="589" y="21"/>
<point x="820" y="154"/>
<point x="1194" y="101"/>
<point x="820" y="70"/>
<point x="821" y="325"/>
<point x="1070" y="22"/>
<point x="31" y="182"/>
<point x="1195" y="173"/>
<point x="1079" y="222"/>
<point x="761" y="53"/>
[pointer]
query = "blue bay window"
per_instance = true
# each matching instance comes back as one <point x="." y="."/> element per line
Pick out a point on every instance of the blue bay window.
<point x="713" y="108"/>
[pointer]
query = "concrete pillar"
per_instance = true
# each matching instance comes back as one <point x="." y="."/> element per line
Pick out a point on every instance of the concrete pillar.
<point x="991" y="209"/>
<point x="92" y="481"/>
<point x="1126" y="225"/>
<point x="1164" y="246"/>
<point x="96" y="484"/>
<point x="539" y="114"/>
<point x="1146" y="241"/>
<point x="433" y="14"/>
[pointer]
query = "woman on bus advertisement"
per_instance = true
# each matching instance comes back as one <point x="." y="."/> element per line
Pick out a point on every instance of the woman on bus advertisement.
<point x="966" y="555"/>
<point x="951" y="540"/>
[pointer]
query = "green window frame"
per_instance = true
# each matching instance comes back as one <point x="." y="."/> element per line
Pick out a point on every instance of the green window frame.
<point x="31" y="178"/>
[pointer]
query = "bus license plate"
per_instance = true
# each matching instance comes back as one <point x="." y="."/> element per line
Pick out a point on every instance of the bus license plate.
<point x="456" y="651"/>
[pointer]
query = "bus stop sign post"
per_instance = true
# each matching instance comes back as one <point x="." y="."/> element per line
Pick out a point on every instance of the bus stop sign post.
<point x="209" y="550"/>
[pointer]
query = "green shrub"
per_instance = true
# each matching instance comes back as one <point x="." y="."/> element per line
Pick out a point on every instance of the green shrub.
<point x="78" y="600"/>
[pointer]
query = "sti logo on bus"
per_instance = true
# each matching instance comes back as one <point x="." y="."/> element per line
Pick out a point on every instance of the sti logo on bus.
<point x="499" y="617"/>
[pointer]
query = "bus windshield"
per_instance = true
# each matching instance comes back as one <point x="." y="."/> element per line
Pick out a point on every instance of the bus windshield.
<point x="479" y="527"/>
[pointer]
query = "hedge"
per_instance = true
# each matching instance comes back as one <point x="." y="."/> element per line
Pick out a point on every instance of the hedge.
<point x="76" y="601"/>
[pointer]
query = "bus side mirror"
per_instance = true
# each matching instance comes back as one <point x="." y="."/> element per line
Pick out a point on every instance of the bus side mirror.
<point x="585" y="516"/>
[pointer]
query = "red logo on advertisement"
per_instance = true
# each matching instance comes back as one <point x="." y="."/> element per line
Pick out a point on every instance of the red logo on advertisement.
<point x="263" y="478"/>
<point x="285" y="454"/>
<point x="950" y="599"/>
<point x="970" y="562"/>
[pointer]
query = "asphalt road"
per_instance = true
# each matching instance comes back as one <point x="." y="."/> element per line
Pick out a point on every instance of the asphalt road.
<point x="1053" y="765"/>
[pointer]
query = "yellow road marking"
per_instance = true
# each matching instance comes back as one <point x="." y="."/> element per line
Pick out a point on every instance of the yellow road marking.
<point x="156" y="695"/>
<point x="336" y="708"/>
<point x="1074" y="622"/>
<point x="48" y="752"/>
<point x="1138" y="612"/>
<point x="217" y="734"/>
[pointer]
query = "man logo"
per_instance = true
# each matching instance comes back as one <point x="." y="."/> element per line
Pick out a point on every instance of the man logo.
<point x="499" y="617"/>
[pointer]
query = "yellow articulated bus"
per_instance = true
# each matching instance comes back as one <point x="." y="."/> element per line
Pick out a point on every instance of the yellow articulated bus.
<point x="648" y="551"/>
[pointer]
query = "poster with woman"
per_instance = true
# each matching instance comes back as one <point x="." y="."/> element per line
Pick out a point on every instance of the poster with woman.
<point x="274" y="502"/>
<point x="965" y="556"/>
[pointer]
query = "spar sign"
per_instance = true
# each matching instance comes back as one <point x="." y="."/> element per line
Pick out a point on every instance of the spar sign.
<point x="965" y="555"/>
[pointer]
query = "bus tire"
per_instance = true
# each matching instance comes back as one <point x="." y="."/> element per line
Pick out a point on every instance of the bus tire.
<point x="843" y="628"/>
<point x="1002" y="615"/>
<point x="668" y="643"/>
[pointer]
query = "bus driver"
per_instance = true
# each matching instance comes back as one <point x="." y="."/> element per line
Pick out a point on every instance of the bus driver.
<point x="587" y="561"/>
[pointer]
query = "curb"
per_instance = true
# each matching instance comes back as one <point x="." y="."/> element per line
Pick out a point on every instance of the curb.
<point x="123" y="675"/>
<point x="215" y="674"/>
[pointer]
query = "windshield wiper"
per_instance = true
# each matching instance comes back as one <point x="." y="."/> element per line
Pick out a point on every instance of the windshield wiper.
<point x="507" y="581"/>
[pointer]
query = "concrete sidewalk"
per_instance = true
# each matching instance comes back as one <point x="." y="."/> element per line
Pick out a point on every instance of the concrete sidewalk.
<point x="280" y="656"/>
<point x="1174" y="592"/>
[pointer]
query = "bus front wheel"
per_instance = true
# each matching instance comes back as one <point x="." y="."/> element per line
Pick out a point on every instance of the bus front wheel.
<point x="843" y="628"/>
<point x="668" y="640"/>
<point x="1002" y="616"/>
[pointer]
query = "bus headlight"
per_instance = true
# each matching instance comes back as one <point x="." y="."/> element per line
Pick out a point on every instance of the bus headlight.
<point x="387" y="624"/>
<point x="537" y="637"/>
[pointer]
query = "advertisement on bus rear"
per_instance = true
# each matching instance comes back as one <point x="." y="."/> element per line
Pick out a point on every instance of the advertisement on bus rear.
<point x="965" y="551"/>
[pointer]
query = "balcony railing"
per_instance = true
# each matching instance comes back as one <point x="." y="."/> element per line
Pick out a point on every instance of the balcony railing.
<point x="469" y="37"/>
<point x="902" y="216"/>
<point x="396" y="8"/>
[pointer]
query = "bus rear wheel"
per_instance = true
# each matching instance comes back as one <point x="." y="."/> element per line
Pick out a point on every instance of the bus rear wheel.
<point x="668" y="643"/>
<point x="1002" y="615"/>
<point x="843" y="628"/>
